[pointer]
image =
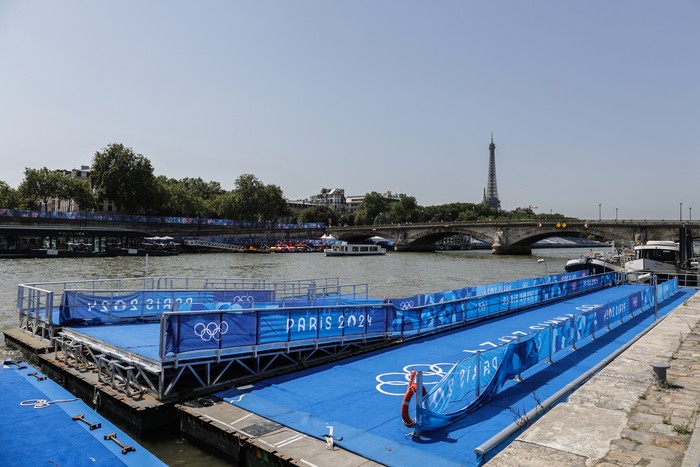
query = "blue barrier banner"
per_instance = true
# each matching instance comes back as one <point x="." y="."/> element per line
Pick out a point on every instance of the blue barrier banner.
<point x="647" y="298"/>
<point x="544" y="343"/>
<point x="244" y="296"/>
<point x="81" y="308"/>
<point x="272" y="326"/>
<point x="198" y="332"/>
<point x="84" y="308"/>
<point x="209" y="331"/>
<point x="407" y="303"/>
<point x="249" y="318"/>
<point x="473" y="380"/>
<point x="668" y="288"/>
<point x="585" y="325"/>
<point x="635" y="302"/>
<point x="241" y="329"/>
<point x="562" y="335"/>
<point x="446" y="296"/>
<point x="400" y="318"/>
<point x="613" y="313"/>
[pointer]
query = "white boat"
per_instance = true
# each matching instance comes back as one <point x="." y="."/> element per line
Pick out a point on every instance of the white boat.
<point x="349" y="249"/>
<point x="599" y="262"/>
<point x="661" y="257"/>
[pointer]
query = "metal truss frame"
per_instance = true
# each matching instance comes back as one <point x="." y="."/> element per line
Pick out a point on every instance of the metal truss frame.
<point x="177" y="380"/>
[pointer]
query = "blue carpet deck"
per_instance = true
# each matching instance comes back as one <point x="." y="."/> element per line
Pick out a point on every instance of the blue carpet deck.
<point x="49" y="436"/>
<point x="361" y="397"/>
<point x="140" y="339"/>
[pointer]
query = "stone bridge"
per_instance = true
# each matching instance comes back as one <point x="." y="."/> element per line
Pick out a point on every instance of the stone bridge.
<point x="514" y="237"/>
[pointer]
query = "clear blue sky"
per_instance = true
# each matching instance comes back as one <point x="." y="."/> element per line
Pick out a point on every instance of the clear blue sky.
<point x="590" y="102"/>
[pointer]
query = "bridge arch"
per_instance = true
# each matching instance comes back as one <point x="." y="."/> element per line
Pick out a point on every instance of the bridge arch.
<point x="514" y="237"/>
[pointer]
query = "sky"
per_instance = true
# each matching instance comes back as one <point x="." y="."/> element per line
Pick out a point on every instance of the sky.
<point x="594" y="105"/>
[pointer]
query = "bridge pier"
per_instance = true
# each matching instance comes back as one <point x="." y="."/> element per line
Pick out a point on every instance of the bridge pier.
<point x="512" y="250"/>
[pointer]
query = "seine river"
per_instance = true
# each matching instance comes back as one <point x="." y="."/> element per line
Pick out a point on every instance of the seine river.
<point x="392" y="275"/>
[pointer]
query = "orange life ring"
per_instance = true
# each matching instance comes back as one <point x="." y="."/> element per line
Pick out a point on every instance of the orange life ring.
<point x="405" y="416"/>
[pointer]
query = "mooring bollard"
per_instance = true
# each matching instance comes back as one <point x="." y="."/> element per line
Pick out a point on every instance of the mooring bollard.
<point x="660" y="370"/>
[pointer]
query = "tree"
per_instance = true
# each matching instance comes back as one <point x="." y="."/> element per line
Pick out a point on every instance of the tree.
<point x="9" y="197"/>
<point x="318" y="213"/>
<point x="205" y="190"/>
<point x="252" y="200"/>
<point x="42" y="185"/>
<point x="372" y="205"/>
<point x="273" y="205"/>
<point x="174" y="198"/>
<point x="247" y="197"/>
<point x="126" y="178"/>
<point x="405" y="210"/>
<point x="79" y="190"/>
<point x="224" y="205"/>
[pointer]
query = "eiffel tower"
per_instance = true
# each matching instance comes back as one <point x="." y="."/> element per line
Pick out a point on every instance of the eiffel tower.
<point x="491" y="192"/>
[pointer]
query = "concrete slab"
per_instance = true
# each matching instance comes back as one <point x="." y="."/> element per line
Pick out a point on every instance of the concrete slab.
<point x="523" y="454"/>
<point x="565" y="430"/>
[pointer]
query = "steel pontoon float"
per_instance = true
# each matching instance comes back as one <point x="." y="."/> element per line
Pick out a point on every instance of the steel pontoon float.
<point x="178" y="337"/>
<point x="45" y="424"/>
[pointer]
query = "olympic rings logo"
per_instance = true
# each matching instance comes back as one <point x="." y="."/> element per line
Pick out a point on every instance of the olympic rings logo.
<point x="395" y="383"/>
<point x="210" y="331"/>
<point x="243" y="298"/>
<point x="407" y="305"/>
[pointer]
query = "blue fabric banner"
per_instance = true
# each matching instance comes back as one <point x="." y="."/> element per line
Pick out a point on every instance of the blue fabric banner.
<point x="247" y="318"/>
<point x="83" y="308"/>
<point x="473" y="381"/>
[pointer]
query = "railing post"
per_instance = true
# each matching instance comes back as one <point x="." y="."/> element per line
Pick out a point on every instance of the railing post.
<point x="418" y="398"/>
<point x="478" y="373"/>
<point x="656" y="297"/>
<point x="49" y="309"/>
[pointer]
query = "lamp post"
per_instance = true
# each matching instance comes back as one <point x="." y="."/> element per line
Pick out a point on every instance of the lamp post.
<point x="681" y="211"/>
<point x="599" y="212"/>
<point x="690" y="214"/>
<point x="546" y="273"/>
<point x="615" y="214"/>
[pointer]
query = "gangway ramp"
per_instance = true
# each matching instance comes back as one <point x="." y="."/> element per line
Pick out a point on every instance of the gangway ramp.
<point x="217" y="245"/>
<point x="361" y="397"/>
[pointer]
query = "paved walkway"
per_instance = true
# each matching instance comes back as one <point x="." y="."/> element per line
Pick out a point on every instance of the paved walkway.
<point x="624" y="416"/>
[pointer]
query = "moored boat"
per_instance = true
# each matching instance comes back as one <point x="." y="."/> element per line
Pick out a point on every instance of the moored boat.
<point x="345" y="249"/>
<point x="664" y="257"/>
<point x="600" y="262"/>
<point x="595" y="263"/>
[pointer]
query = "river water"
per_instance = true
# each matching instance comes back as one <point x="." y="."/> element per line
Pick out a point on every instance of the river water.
<point x="392" y="275"/>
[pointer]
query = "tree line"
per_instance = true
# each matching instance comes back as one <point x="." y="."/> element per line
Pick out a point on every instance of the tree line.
<point x="127" y="179"/>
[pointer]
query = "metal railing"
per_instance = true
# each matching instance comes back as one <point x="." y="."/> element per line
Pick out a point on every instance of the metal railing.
<point x="461" y="391"/>
<point x="39" y="303"/>
<point x="36" y="306"/>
